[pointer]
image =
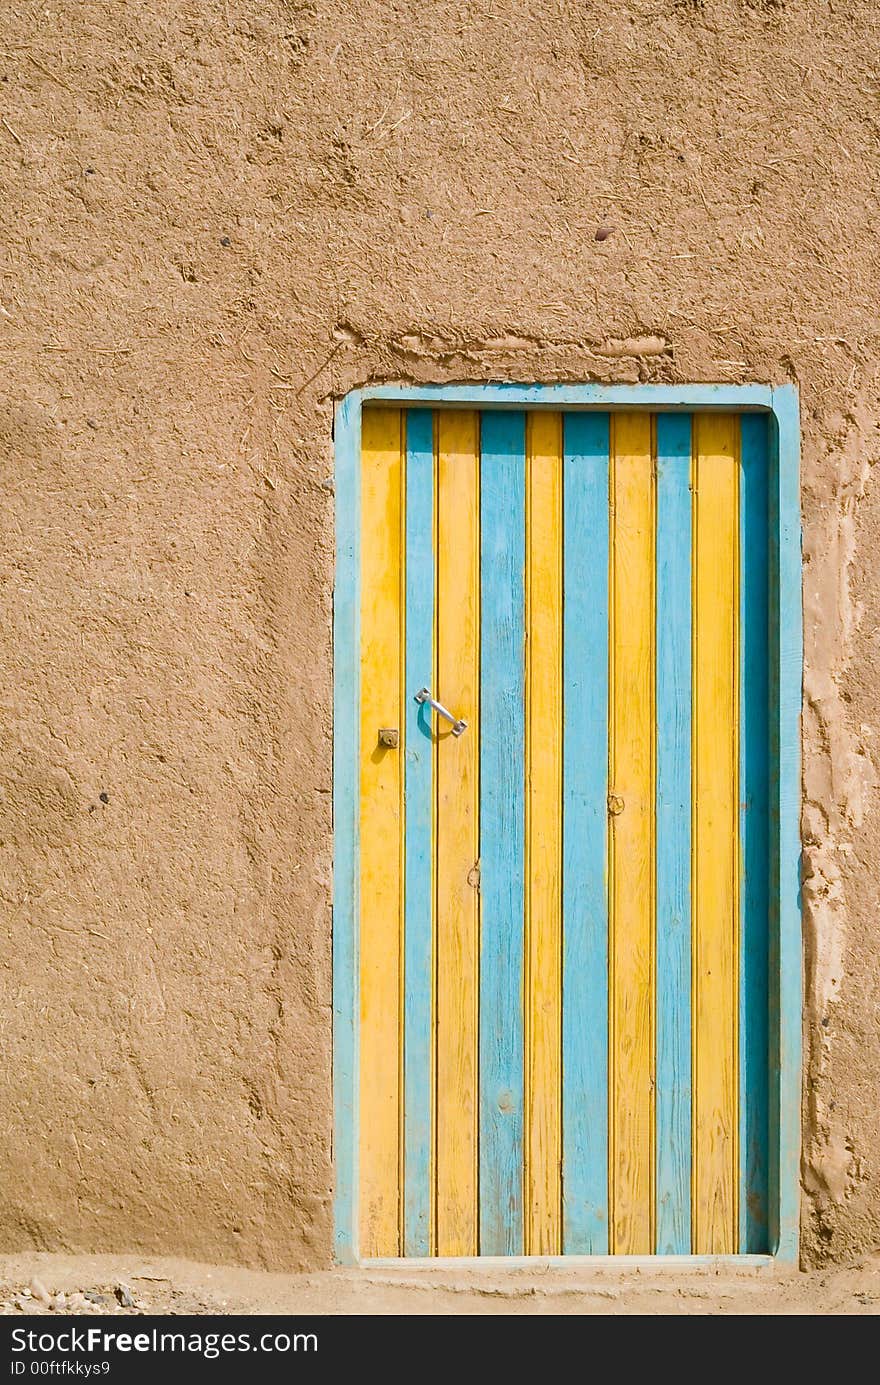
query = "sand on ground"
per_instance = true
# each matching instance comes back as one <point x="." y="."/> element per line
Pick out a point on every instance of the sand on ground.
<point x="169" y="1286"/>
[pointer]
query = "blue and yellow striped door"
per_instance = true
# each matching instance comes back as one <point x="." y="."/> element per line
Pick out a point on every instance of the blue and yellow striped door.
<point x="564" y="1001"/>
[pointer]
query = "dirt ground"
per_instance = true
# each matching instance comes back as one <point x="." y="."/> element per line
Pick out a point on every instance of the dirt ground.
<point x="165" y="1286"/>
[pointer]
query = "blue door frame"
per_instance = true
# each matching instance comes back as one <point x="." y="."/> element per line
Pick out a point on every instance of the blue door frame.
<point x="785" y="675"/>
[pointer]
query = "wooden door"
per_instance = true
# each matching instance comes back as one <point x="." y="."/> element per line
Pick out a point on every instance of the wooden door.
<point x="563" y="905"/>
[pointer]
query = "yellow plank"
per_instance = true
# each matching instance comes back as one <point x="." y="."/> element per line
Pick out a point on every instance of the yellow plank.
<point x="715" y="835"/>
<point x="631" y="805"/>
<point x="457" y="827"/>
<point x="543" y="1034"/>
<point x="381" y="822"/>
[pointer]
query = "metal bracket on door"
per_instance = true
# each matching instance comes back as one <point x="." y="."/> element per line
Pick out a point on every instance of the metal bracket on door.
<point x="459" y="725"/>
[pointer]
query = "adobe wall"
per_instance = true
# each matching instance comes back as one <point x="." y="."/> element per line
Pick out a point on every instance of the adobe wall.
<point x="217" y="216"/>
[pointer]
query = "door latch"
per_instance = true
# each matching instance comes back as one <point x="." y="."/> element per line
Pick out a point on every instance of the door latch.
<point x="459" y="725"/>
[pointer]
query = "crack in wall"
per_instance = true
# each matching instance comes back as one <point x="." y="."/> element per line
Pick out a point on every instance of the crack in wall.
<point x="443" y="352"/>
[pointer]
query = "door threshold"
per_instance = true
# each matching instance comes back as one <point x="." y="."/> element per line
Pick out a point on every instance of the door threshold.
<point x="636" y="1263"/>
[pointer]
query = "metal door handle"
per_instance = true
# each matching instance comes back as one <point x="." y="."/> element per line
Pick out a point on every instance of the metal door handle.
<point x="459" y="725"/>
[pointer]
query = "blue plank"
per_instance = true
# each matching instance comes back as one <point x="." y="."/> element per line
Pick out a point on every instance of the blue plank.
<point x="754" y="830"/>
<point x="786" y="684"/>
<point x="502" y="830"/>
<point x="418" y="788"/>
<point x="673" y="806"/>
<point x="584" y="845"/>
<point x="346" y="757"/>
<point x="592" y="396"/>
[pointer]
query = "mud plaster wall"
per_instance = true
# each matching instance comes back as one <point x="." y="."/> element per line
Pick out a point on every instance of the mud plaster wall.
<point x="216" y="217"/>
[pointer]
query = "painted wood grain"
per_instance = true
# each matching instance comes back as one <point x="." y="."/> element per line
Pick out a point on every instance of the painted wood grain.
<point x="538" y="1264"/>
<point x="786" y="681"/>
<point x="673" y="867"/>
<point x="591" y="396"/>
<point x="754" y="813"/>
<point x="631" y="786"/>
<point x="457" y="831"/>
<point x="585" y="836"/>
<point x="502" y="831"/>
<point x="544" y="834"/>
<point x="381" y="825"/>
<point x="715" y="998"/>
<point x="346" y="821"/>
<point x="418" y="874"/>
